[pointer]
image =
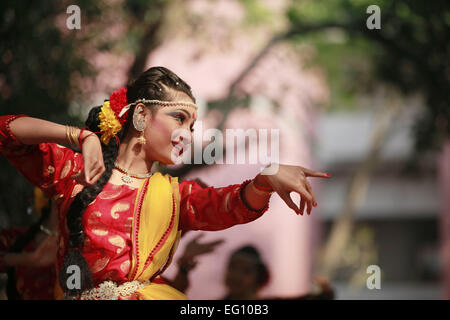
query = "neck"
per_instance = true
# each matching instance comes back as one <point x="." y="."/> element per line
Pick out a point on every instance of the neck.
<point x="132" y="157"/>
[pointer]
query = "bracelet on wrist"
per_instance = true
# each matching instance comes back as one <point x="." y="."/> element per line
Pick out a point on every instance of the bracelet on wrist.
<point x="72" y="136"/>
<point x="81" y="138"/>
<point x="262" y="188"/>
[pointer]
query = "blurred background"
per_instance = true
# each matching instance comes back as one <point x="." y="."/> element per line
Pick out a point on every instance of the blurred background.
<point x="370" y="106"/>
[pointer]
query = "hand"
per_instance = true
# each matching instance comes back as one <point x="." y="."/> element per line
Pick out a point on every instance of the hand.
<point x="292" y="179"/>
<point x="94" y="166"/>
<point x="45" y="253"/>
<point x="194" y="249"/>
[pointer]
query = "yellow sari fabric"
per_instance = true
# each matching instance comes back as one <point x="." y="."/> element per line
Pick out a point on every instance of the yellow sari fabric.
<point x="155" y="235"/>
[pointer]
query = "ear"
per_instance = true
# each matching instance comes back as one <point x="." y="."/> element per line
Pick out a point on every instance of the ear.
<point x="141" y="116"/>
<point x="142" y="112"/>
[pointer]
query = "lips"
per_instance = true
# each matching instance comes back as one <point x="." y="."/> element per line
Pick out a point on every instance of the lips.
<point x="178" y="146"/>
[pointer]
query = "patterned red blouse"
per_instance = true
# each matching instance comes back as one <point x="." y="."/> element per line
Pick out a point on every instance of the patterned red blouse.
<point x="107" y="220"/>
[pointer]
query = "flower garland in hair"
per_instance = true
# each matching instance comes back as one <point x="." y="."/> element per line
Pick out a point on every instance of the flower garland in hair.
<point x="110" y="122"/>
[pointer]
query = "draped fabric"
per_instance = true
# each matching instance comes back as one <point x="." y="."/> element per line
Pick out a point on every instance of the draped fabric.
<point x="132" y="234"/>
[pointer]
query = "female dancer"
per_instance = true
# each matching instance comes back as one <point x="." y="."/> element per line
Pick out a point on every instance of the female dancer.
<point x="119" y="223"/>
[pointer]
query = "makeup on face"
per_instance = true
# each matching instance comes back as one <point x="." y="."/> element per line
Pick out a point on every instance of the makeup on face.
<point x="182" y="115"/>
<point x="181" y="140"/>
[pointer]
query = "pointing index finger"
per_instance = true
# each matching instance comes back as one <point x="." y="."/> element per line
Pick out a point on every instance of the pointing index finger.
<point x="316" y="174"/>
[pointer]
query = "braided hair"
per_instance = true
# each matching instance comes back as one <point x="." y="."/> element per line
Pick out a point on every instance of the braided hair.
<point x="157" y="83"/>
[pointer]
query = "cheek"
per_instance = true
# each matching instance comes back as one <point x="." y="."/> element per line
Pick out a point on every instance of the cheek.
<point x="160" y="133"/>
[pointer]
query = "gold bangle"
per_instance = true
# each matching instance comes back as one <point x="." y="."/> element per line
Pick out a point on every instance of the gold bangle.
<point x="72" y="136"/>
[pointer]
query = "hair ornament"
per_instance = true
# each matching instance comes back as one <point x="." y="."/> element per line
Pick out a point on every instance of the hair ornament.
<point x="114" y="113"/>
<point x="109" y="124"/>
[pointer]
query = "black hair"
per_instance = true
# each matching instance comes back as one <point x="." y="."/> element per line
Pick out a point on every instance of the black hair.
<point x="155" y="83"/>
<point x="262" y="272"/>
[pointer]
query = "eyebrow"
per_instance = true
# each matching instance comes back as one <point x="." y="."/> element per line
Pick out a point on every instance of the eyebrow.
<point x="187" y="113"/>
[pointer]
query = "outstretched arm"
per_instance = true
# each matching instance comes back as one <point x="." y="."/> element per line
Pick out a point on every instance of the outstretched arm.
<point x="220" y="208"/>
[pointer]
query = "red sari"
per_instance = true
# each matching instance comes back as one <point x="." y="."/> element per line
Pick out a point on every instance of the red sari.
<point x="111" y="245"/>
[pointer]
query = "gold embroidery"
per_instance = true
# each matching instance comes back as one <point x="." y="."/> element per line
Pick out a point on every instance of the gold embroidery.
<point x="110" y="194"/>
<point x="121" y="206"/>
<point x="100" y="231"/>
<point x="128" y="226"/>
<point x="59" y="155"/>
<point x="66" y="169"/>
<point x="97" y="227"/>
<point x="117" y="241"/>
<point x="100" y="264"/>
<point x="125" y="266"/>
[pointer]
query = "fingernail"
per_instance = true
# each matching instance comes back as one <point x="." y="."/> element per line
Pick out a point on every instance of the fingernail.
<point x="315" y="204"/>
<point x="328" y="175"/>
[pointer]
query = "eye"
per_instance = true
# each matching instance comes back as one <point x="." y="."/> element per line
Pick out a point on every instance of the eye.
<point x="180" y="117"/>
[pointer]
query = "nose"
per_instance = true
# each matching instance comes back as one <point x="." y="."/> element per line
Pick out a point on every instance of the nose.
<point x="186" y="139"/>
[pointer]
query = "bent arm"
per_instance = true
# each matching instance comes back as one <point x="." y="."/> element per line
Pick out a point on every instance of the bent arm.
<point x="29" y="130"/>
<point x="31" y="146"/>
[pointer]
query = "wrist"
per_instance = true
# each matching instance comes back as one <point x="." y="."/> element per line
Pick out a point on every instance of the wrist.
<point x="261" y="184"/>
<point x="84" y="134"/>
<point x="73" y="136"/>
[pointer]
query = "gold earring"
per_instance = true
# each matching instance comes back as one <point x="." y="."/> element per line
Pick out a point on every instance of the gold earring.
<point x="142" y="139"/>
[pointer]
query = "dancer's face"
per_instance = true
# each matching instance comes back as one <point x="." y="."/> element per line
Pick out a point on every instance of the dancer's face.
<point x="169" y="131"/>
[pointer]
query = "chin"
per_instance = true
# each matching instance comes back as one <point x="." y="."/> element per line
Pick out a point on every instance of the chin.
<point x="167" y="161"/>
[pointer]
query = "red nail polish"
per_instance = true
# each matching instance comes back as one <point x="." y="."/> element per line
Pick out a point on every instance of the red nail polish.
<point x="328" y="175"/>
<point x="315" y="204"/>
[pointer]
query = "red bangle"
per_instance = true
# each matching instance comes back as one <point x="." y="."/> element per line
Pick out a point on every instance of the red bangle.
<point x="81" y="140"/>
<point x="260" y="187"/>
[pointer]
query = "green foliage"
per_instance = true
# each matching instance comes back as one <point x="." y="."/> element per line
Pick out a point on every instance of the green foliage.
<point x="36" y="73"/>
<point x="38" y="57"/>
<point x="256" y="13"/>
<point x="410" y="51"/>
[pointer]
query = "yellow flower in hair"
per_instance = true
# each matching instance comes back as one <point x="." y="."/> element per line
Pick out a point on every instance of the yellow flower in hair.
<point x="109" y="125"/>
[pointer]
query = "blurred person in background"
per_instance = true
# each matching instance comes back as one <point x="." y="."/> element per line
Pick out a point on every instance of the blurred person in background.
<point x="188" y="261"/>
<point x="28" y="255"/>
<point x="247" y="274"/>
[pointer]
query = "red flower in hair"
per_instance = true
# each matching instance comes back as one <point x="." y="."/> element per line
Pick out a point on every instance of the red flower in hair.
<point x="117" y="101"/>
